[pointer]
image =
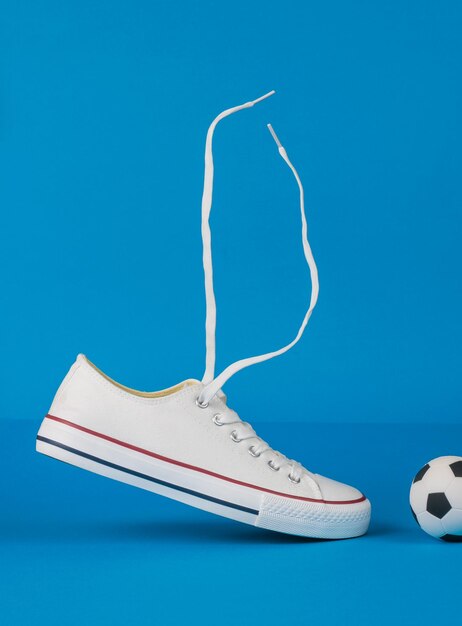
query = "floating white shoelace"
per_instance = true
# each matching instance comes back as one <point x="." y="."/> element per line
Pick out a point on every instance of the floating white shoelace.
<point x="213" y="384"/>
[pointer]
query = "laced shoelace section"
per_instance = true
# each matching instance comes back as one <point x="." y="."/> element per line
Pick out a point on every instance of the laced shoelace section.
<point x="245" y="432"/>
<point x="213" y="384"/>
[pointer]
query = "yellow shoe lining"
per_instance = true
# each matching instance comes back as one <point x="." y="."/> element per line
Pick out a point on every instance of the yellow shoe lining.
<point x="144" y="394"/>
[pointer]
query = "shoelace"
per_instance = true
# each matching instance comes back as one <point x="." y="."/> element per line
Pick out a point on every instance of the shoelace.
<point x="244" y="432"/>
<point x="213" y="384"/>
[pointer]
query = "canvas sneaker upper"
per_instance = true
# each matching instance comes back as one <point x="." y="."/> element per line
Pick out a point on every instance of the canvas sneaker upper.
<point x="171" y="424"/>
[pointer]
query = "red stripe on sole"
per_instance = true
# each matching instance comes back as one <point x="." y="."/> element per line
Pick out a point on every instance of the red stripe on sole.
<point x="193" y="467"/>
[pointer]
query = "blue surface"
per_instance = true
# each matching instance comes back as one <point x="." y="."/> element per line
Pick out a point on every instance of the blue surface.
<point x="104" y="109"/>
<point x="80" y="549"/>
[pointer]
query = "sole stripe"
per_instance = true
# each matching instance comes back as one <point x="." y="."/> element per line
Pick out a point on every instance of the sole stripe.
<point x="163" y="483"/>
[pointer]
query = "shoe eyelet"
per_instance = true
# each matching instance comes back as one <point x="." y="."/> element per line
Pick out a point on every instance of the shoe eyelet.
<point x="293" y="480"/>
<point x="200" y="404"/>
<point x="252" y="452"/>
<point x="216" y="419"/>
<point x="274" y="467"/>
<point x="234" y="437"/>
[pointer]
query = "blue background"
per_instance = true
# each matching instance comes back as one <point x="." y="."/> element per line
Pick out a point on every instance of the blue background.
<point x="103" y="113"/>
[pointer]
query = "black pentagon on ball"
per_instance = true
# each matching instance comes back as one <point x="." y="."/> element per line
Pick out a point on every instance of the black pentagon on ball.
<point x="452" y="538"/>
<point x="438" y="505"/>
<point x="456" y="468"/>
<point x="421" y="473"/>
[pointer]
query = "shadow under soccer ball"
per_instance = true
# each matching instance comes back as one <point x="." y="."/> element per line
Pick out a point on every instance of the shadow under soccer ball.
<point x="436" y="498"/>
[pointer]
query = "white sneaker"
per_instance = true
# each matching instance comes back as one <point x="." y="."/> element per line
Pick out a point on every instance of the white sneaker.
<point x="185" y="443"/>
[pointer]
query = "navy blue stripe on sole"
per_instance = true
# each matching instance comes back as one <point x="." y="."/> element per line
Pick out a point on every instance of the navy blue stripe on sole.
<point x="163" y="483"/>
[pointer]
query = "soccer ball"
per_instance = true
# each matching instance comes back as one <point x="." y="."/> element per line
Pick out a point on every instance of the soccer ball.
<point x="436" y="498"/>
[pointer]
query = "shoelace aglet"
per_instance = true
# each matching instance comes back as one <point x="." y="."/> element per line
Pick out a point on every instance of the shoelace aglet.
<point x="267" y="95"/>
<point x="275" y="137"/>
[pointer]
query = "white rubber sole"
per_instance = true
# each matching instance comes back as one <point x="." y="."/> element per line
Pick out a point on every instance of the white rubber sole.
<point x="244" y="504"/>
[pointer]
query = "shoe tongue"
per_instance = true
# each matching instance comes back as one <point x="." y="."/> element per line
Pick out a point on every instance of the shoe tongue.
<point x="222" y="398"/>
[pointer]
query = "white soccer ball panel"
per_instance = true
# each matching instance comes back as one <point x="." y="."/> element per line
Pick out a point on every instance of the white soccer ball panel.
<point x="418" y="497"/>
<point x="454" y="493"/>
<point x="444" y="460"/>
<point x="452" y="522"/>
<point x="431" y="524"/>
<point x="438" y="478"/>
